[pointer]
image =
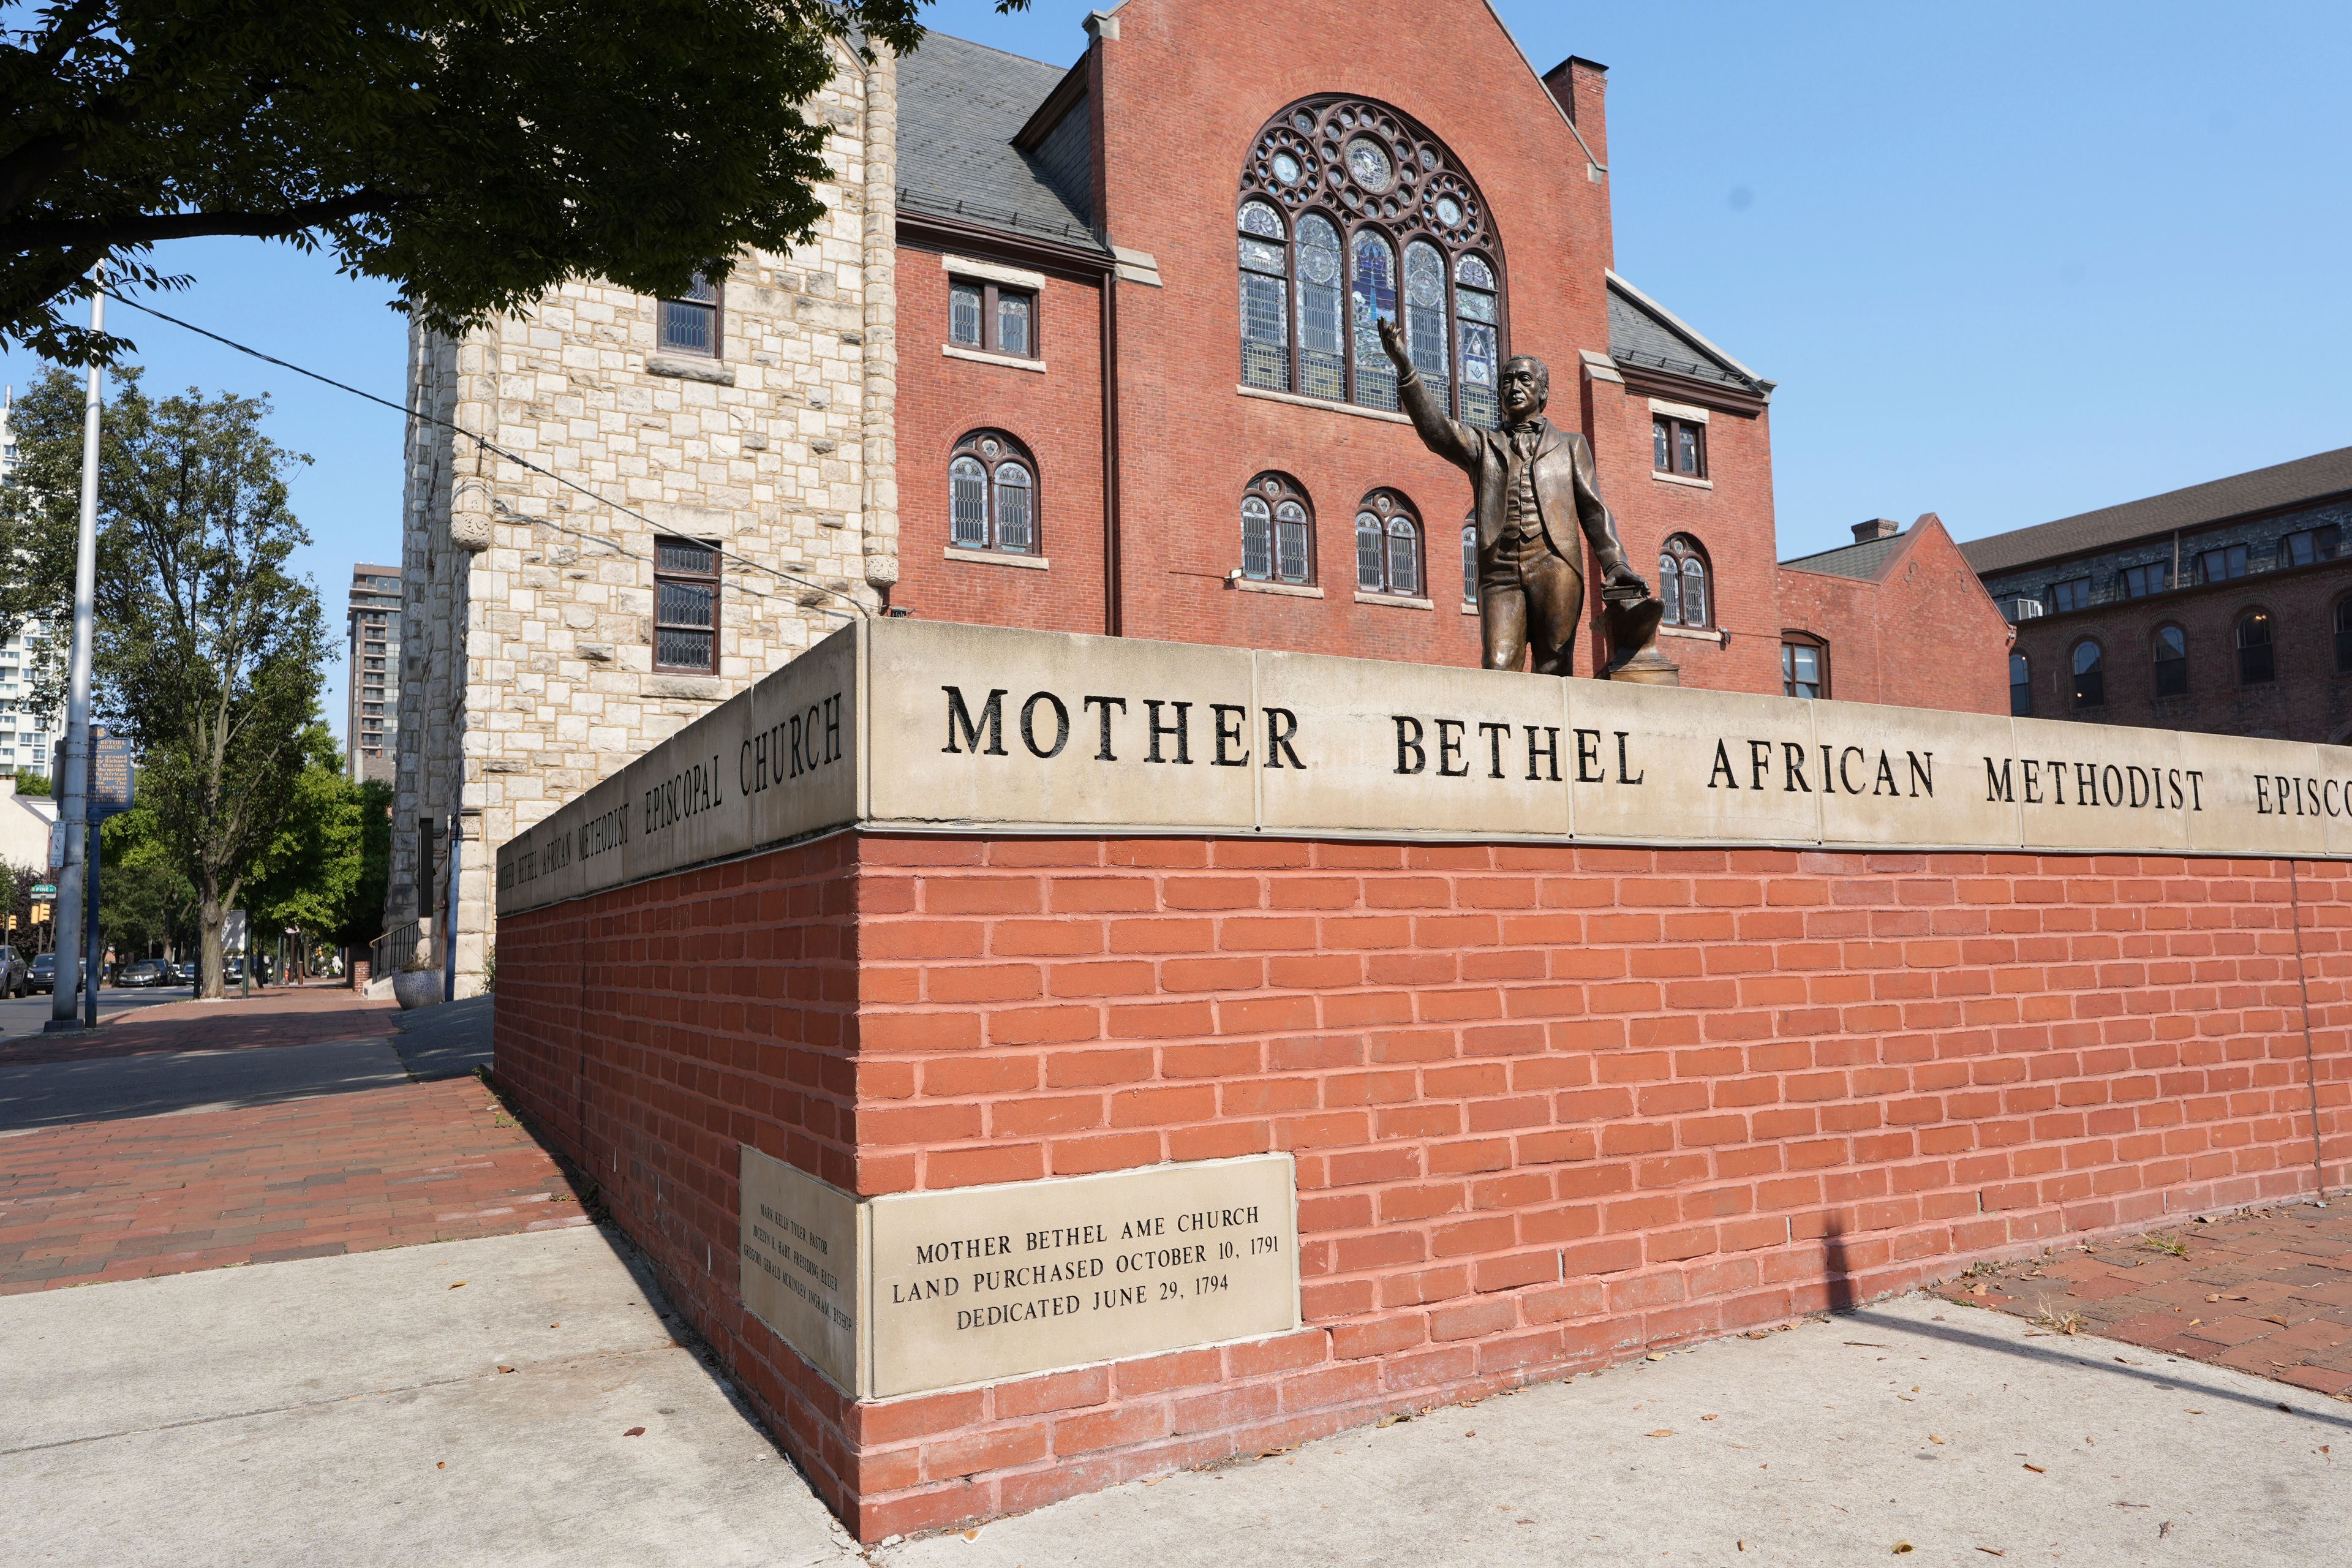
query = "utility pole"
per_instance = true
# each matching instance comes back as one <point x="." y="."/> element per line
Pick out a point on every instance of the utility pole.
<point x="73" y="806"/>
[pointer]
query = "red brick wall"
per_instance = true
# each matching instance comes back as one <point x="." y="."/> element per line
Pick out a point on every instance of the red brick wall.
<point x="1549" y="1106"/>
<point x="2311" y="699"/>
<point x="1923" y="634"/>
<point x="1057" y="414"/>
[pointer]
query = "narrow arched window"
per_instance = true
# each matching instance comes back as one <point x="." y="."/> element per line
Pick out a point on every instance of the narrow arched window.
<point x="1387" y="545"/>
<point x="1424" y="318"/>
<point x="1265" y="309"/>
<point x="1469" y="562"/>
<point x="1683" y="585"/>
<point x="1278" y="531"/>
<point x="1371" y="300"/>
<point x="967" y="493"/>
<point x="2090" y="675"/>
<point x="2168" y="655"/>
<point x="992" y="495"/>
<point x="1357" y="214"/>
<point x="2020" y="686"/>
<point x="2256" y="662"/>
<point x="1322" y="362"/>
<point x="1482" y="353"/>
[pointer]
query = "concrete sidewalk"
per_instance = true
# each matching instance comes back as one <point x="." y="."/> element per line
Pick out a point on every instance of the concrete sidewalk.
<point x="353" y="1410"/>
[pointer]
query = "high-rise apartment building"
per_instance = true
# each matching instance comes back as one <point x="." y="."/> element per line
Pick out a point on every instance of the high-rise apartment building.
<point x="372" y="718"/>
<point x="26" y="736"/>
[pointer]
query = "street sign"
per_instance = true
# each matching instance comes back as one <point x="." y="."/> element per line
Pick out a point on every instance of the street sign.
<point x="232" y="933"/>
<point x="44" y="890"/>
<point x="56" y="845"/>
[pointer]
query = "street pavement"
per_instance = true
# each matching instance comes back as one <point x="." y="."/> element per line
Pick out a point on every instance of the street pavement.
<point x="22" y="1016"/>
<point x="258" y="1366"/>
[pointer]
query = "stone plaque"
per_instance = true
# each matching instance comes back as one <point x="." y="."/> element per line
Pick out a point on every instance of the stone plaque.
<point x="800" y="1264"/>
<point x="982" y="1283"/>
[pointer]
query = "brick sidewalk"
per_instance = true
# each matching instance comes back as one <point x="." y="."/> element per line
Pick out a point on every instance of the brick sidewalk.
<point x="2268" y="1291"/>
<point x="342" y="1173"/>
<point x="281" y="1017"/>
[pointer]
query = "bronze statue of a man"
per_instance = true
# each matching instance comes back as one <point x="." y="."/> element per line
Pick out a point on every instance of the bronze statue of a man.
<point x="1527" y="480"/>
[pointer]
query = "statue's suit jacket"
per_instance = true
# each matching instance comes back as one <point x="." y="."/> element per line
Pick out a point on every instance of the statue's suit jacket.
<point x="1566" y="485"/>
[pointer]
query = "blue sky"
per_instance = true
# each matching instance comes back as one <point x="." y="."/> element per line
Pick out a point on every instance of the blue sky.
<point x="2007" y="262"/>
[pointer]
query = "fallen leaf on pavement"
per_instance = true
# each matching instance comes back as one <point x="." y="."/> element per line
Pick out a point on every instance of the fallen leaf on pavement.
<point x="1933" y="1438"/>
<point x="1663" y="1432"/>
<point x="1901" y="1547"/>
<point x="442" y="1465"/>
<point x="971" y="1536"/>
<point x="1392" y="1420"/>
<point x="1708" y="1418"/>
<point x="635" y="1432"/>
<point x="1990" y="1553"/>
<point x="2037" y="1469"/>
<point x="505" y="1369"/>
<point x="460" y="1285"/>
<point x="1656" y="1355"/>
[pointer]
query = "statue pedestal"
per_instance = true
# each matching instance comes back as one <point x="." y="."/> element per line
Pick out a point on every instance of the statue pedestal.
<point x="1631" y="621"/>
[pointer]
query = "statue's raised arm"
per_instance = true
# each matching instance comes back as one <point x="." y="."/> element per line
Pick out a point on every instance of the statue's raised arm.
<point x="1455" y="442"/>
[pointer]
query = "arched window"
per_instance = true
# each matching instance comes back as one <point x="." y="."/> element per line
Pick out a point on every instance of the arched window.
<point x="1682" y="584"/>
<point x="1278" y="531"/>
<point x="2020" y="686"/>
<point x="2257" y="663"/>
<point x="1470" y="563"/>
<point x="992" y="495"/>
<point x="2090" y="675"/>
<point x="1350" y="214"/>
<point x="2344" y="635"/>
<point x="1387" y="545"/>
<point x="2168" y="653"/>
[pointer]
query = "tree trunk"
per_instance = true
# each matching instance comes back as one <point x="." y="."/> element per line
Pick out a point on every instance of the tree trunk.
<point x="210" y="917"/>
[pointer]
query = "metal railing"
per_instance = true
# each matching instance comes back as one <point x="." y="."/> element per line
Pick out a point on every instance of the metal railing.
<point x="391" y="952"/>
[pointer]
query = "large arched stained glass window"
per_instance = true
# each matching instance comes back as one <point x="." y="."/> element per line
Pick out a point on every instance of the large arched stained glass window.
<point x="1351" y="215"/>
<point x="1683" y="584"/>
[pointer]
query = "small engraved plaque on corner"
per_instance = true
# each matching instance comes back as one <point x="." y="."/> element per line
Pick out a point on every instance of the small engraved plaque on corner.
<point x="801" y="1273"/>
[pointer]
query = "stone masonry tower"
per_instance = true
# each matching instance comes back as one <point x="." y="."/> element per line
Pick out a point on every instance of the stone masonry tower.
<point x="530" y="658"/>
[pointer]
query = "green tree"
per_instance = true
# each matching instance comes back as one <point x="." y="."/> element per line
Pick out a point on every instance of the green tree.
<point x="364" y="912"/>
<point x="34" y="785"/>
<point x="208" y="649"/>
<point x="473" y="153"/>
<point x="310" y="874"/>
<point x="144" y="898"/>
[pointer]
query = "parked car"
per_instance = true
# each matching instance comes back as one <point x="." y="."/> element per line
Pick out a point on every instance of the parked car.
<point x="14" y="974"/>
<point x="144" y="972"/>
<point x="43" y="975"/>
<point x="184" y="974"/>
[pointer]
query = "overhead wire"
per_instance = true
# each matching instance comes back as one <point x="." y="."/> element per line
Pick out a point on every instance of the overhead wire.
<point x="522" y="462"/>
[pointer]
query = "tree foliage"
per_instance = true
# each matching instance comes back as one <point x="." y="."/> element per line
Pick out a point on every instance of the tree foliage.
<point x="307" y="876"/>
<point x="473" y="153"/>
<point x="208" y="649"/>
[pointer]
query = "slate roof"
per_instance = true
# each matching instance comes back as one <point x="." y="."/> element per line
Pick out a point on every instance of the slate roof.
<point x="1644" y="335"/>
<point x="1861" y="561"/>
<point x="960" y="105"/>
<point x="2275" y="488"/>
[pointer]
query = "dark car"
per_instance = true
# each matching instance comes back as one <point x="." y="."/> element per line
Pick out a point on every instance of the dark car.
<point x="144" y="972"/>
<point x="43" y="976"/>
<point x="184" y="974"/>
<point x="14" y="974"/>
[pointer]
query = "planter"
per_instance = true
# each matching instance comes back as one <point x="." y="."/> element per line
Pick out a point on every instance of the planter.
<point x="417" y="987"/>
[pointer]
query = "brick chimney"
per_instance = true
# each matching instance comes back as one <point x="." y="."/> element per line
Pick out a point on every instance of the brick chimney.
<point x="1580" y="87"/>
<point x="1876" y="528"/>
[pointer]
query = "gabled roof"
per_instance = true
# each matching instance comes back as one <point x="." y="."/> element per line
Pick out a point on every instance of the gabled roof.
<point x="1646" y="335"/>
<point x="1863" y="562"/>
<point x="2278" y="488"/>
<point x="961" y="104"/>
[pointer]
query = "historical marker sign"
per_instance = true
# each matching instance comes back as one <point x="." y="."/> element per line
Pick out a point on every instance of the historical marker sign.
<point x="917" y="1291"/>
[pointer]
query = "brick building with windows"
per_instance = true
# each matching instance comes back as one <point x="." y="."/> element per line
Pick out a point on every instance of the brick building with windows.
<point x="1093" y="350"/>
<point x="2224" y="608"/>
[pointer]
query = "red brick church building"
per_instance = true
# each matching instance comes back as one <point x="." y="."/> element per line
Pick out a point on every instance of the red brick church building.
<point x="1140" y="391"/>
